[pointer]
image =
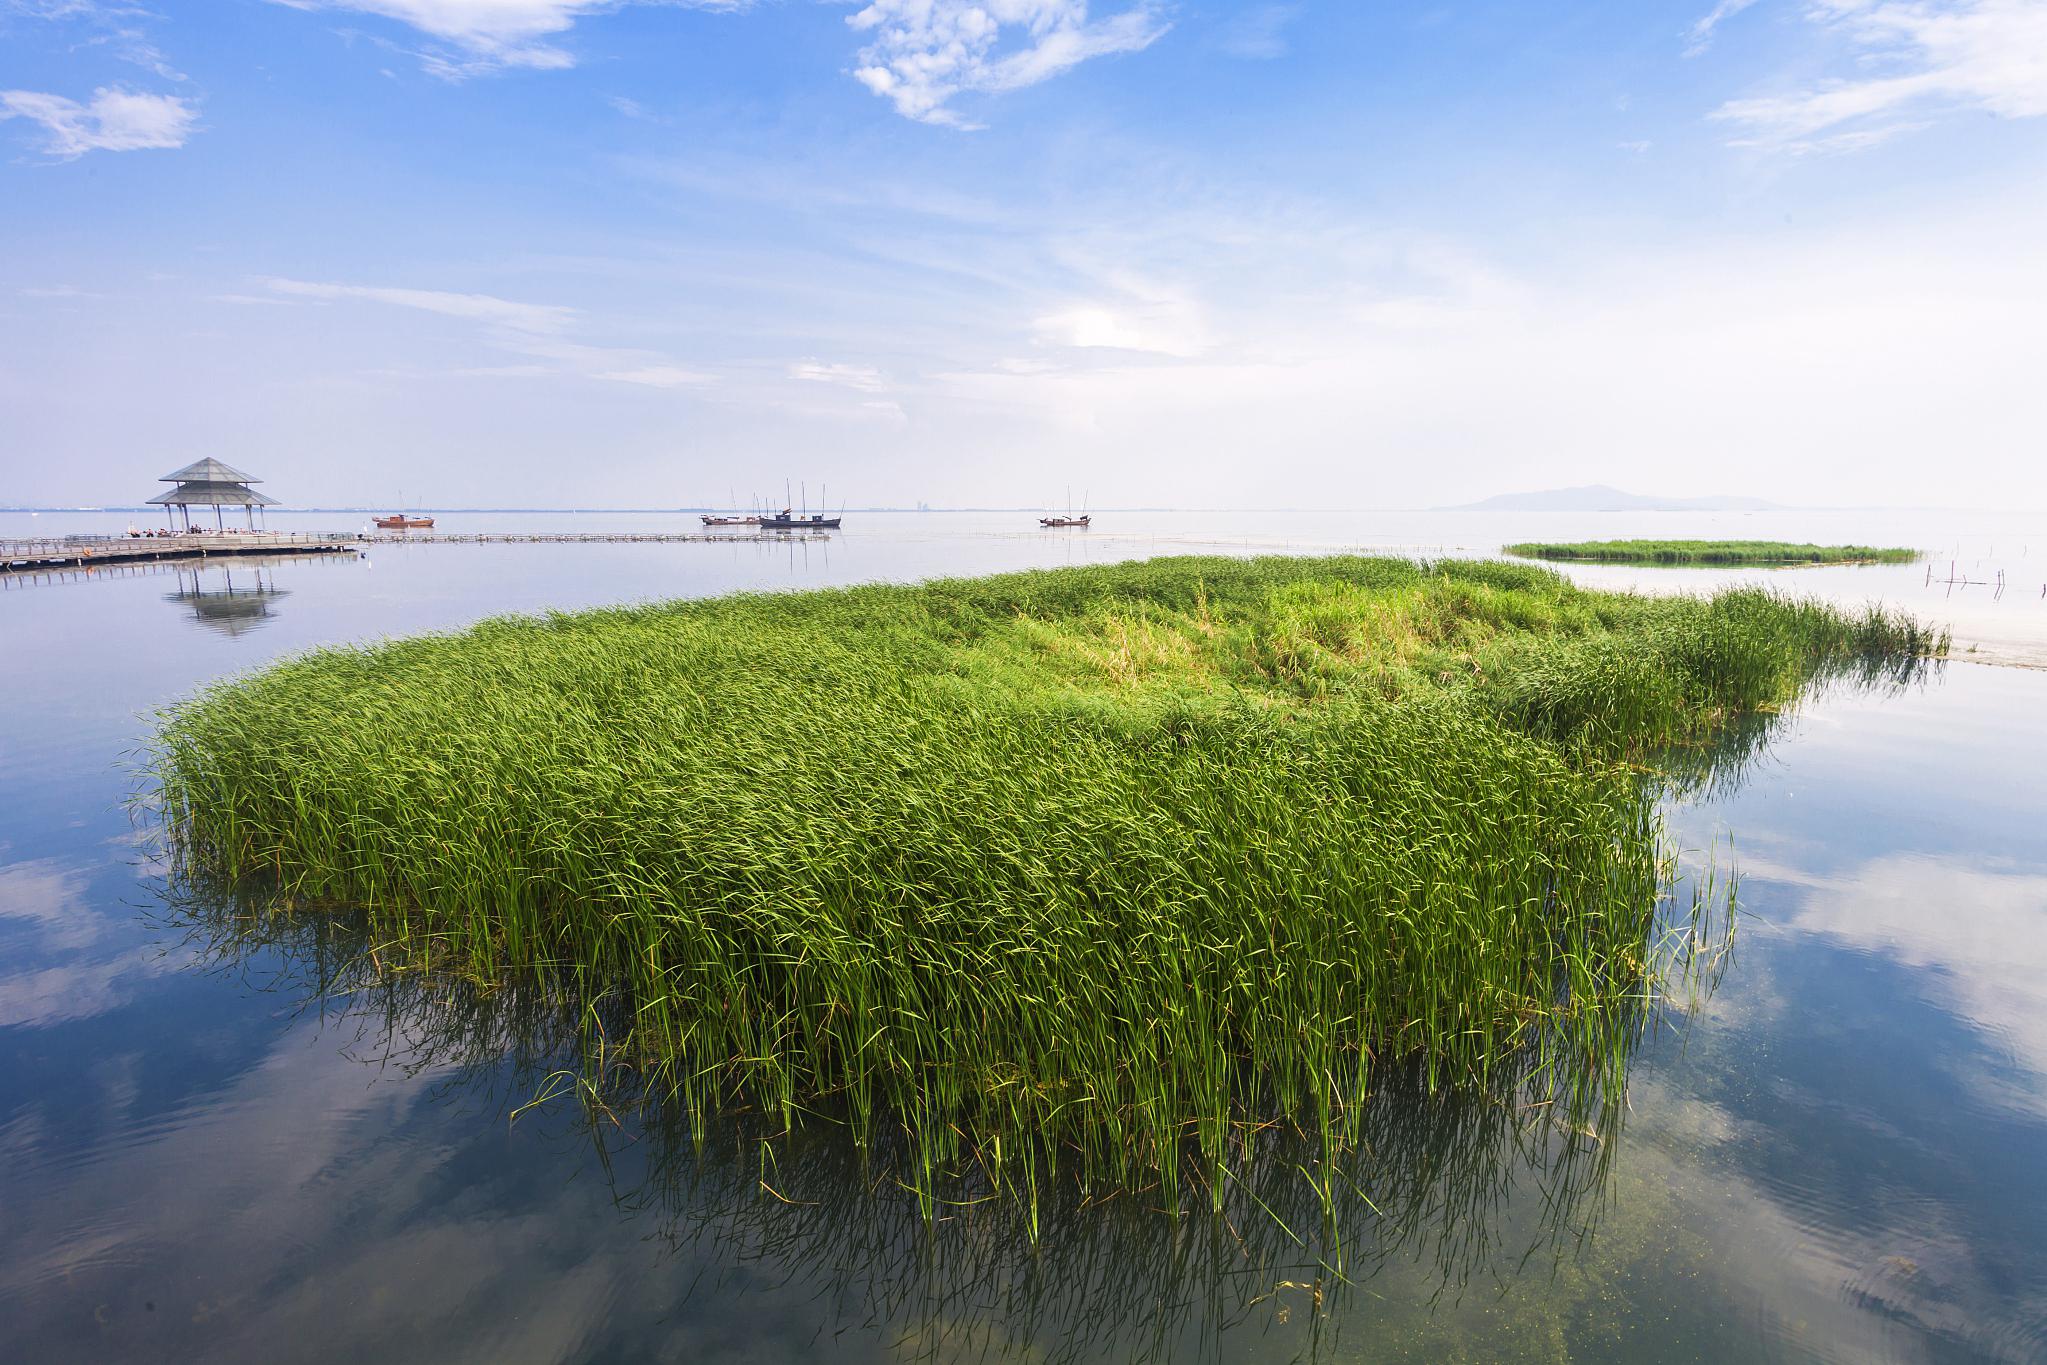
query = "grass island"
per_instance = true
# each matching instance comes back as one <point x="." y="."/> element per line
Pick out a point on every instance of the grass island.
<point x="1712" y="553"/>
<point x="1115" y="864"/>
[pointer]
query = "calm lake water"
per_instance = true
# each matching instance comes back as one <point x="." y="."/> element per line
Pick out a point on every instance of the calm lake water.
<point x="207" y="1152"/>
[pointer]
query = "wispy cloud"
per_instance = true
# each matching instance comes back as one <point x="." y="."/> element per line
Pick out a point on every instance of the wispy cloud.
<point x="1699" y="36"/>
<point x="480" y="36"/>
<point x="1259" y="33"/>
<point x="116" y="120"/>
<point x="865" y="378"/>
<point x="523" y="317"/>
<point x="633" y="109"/>
<point x="119" y="26"/>
<point x="1918" y="56"/>
<point x="922" y="53"/>
<point x="539" y="331"/>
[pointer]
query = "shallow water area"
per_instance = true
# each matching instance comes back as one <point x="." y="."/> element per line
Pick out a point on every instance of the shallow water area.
<point x="1837" y="1157"/>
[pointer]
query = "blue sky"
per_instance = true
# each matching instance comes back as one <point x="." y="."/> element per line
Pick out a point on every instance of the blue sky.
<point x="554" y="252"/>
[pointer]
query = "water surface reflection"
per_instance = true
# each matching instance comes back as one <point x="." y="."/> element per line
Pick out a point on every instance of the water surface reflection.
<point x="1445" y="1187"/>
<point x="230" y="598"/>
<point x="268" y="1158"/>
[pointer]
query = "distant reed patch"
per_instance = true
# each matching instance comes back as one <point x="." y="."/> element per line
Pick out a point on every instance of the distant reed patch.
<point x="1107" y="867"/>
<point x="1759" y="553"/>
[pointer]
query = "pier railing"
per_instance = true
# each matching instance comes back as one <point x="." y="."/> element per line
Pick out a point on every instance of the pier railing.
<point x="85" y="551"/>
<point x="24" y="547"/>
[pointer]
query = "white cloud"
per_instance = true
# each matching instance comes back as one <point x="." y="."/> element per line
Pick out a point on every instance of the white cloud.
<point x="492" y="35"/>
<point x="865" y="378"/>
<point x="1125" y="309"/>
<point x="1406" y="371"/>
<point x="1989" y="55"/>
<point x="1089" y="327"/>
<point x="116" y="120"/>
<point x="1972" y="934"/>
<point x="924" y="52"/>
<point x="1700" y="35"/>
<point x="78" y="962"/>
<point x="521" y="317"/>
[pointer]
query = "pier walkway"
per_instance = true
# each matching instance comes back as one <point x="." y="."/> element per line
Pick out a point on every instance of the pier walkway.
<point x="726" y="537"/>
<point x="85" y="552"/>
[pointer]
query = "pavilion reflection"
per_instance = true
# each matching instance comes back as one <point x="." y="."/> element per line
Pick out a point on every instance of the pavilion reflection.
<point x="232" y="599"/>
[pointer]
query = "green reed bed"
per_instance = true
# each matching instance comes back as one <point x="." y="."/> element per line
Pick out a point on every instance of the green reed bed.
<point x="1104" y="866"/>
<point x="1726" y="553"/>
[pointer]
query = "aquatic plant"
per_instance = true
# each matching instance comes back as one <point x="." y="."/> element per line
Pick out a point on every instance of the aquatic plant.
<point x="1724" y="553"/>
<point x="1105" y="868"/>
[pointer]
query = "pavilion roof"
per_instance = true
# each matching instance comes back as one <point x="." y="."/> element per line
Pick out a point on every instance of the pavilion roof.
<point x="212" y="494"/>
<point x="208" y="471"/>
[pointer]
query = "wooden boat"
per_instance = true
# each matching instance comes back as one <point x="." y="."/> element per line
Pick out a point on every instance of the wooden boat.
<point x="710" y="520"/>
<point x="398" y="521"/>
<point x="786" y="520"/>
<point x="1079" y="523"/>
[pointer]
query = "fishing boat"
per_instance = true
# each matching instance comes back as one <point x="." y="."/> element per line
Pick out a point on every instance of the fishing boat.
<point x="787" y="520"/>
<point x="710" y="520"/>
<point x="398" y="521"/>
<point x="1079" y="523"/>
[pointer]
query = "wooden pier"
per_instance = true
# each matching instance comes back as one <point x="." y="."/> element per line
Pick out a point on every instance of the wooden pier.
<point x="736" y="535"/>
<point x="87" y="552"/>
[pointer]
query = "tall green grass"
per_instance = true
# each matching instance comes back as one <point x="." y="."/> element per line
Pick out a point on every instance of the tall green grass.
<point x="1763" y="553"/>
<point x="1100" y="869"/>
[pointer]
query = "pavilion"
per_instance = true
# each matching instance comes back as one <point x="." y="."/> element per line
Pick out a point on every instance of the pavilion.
<point x="209" y="483"/>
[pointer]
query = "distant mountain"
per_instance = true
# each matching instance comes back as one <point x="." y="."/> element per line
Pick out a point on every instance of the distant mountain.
<point x="1599" y="498"/>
